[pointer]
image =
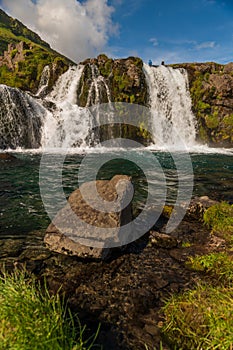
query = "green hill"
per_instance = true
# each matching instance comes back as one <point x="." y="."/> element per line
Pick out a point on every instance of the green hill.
<point x="22" y="63"/>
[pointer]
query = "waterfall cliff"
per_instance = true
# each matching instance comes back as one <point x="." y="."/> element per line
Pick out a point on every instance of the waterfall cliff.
<point x="173" y="122"/>
<point x="59" y="119"/>
<point x="21" y="119"/>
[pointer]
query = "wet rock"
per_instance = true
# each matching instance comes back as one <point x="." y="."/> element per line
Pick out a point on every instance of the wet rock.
<point x="198" y="206"/>
<point x="11" y="247"/>
<point x="7" y="156"/>
<point x="79" y="229"/>
<point x="162" y="240"/>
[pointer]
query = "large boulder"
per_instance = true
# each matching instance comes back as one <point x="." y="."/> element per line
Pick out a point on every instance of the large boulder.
<point x="87" y="231"/>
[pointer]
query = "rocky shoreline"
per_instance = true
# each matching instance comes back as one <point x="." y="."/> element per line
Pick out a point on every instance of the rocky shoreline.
<point x="126" y="292"/>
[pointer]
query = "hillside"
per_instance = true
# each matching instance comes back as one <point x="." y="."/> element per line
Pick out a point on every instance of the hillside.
<point x="23" y="56"/>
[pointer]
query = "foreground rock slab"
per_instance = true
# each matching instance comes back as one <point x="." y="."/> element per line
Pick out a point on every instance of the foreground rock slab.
<point x="82" y="230"/>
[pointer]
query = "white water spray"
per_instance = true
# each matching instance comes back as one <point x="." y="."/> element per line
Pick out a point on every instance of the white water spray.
<point x="68" y="124"/>
<point x="174" y="124"/>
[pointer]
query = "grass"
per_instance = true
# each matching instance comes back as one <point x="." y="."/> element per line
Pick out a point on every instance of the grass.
<point x="217" y="266"/>
<point x="160" y="347"/>
<point x="27" y="73"/>
<point x="219" y="217"/>
<point x="31" y="318"/>
<point x="200" y="319"/>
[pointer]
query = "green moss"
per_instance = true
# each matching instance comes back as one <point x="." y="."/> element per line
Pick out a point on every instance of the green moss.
<point x="106" y="68"/>
<point x="228" y="120"/>
<point x="203" y="133"/>
<point x="212" y="120"/>
<point x="203" y="107"/>
<point x="143" y="132"/>
<point x="13" y="53"/>
<point x="27" y="73"/>
<point x="167" y="210"/>
<point x="219" y="217"/>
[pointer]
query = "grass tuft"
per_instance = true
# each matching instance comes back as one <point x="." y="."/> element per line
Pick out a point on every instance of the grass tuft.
<point x="200" y="319"/>
<point x="218" y="266"/>
<point x="31" y="318"/>
<point x="220" y="218"/>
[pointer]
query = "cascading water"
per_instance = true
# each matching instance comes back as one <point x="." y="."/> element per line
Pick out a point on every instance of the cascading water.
<point x="174" y="123"/>
<point x="98" y="88"/>
<point x="68" y="124"/>
<point x="24" y="122"/>
<point x="44" y="82"/>
<point x="21" y="119"/>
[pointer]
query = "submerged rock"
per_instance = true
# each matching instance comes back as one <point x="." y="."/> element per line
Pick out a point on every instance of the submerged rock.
<point x="81" y="230"/>
<point x="7" y="156"/>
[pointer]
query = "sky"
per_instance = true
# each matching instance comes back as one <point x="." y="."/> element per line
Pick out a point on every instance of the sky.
<point x="174" y="31"/>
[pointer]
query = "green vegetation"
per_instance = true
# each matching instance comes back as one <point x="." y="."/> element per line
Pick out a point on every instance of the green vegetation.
<point x="200" y="319"/>
<point x="228" y="120"/>
<point x="209" y="103"/>
<point x="212" y="120"/>
<point x="186" y="244"/>
<point x="218" y="266"/>
<point x="32" y="319"/>
<point x="13" y="31"/>
<point x="219" y="217"/>
<point x="37" y="54"/>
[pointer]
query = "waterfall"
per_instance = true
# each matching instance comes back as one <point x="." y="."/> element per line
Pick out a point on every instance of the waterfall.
<point x="98" y="89"/>
<point x="65" y="88"/>
<point x="70" y="125"/>
<point x="62" y="123"/>
<point x="21" y="119"/>
<point x="67" y="125"/>
<point x="44" y="82"/>
<point x="174" y="124"/>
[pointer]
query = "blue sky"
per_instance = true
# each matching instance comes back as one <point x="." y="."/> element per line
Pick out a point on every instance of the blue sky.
<point x="173" y="31"/>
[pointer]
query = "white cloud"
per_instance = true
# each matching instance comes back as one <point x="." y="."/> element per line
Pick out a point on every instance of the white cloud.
<point x="154" y="41"/>
<point x="206" y="45"/>
<point x="78" y="30"/>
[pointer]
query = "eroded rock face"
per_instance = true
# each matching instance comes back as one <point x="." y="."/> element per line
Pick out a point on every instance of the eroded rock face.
<point x="211" y="88"/>
<point x="124" y="78"/>
<point x="21" y="118"/>
<point x="79" y="229"/>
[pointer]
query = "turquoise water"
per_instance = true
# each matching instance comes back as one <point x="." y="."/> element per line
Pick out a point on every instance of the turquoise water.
<point x="22" y="210"/>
